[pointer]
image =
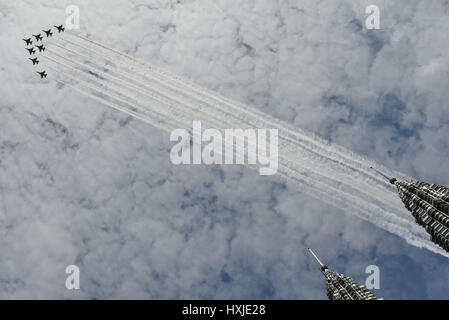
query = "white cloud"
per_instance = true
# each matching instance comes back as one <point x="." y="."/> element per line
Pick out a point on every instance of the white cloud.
<point x="78" y="188"/>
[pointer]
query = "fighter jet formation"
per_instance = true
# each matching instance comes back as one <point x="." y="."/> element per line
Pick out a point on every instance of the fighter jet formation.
<point x="39" y="38"/>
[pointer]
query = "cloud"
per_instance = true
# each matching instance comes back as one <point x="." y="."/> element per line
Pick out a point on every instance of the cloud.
<point x="81" y="184"/>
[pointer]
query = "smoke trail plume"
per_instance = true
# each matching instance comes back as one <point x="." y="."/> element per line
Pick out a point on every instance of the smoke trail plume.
<point x="326" y="171"/>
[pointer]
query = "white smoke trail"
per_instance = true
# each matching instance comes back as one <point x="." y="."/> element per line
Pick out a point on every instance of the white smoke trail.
<point x="166" y="124"/>
<point x="329" y="172"/>
<point x="230" y="111"/>
<point x="150" y="121"/>
<point x="268" y="121"/>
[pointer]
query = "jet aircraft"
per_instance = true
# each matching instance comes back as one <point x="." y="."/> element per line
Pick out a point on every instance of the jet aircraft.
<point x="35" y="61"/>
<point x="28" y="41"/>
<point x="31" y="50"/>
<point x="48" y="32"/>
<point x="60" y="28"/>
<point x="38" y="37"/>
<point x="41" y="48"/>
<point x="43" y="74"/>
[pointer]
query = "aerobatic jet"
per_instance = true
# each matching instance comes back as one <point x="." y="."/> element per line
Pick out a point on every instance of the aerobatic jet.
<point x="31" y="50"/>
<point x="48" y="32"/>
<point x="41" y="48"/>
<point x="28" y="41"/>
<point x="60" y="28"/>
<point x="38" y="37"/>
<point x="43" y="74"/>
<point x="35" y="61"/>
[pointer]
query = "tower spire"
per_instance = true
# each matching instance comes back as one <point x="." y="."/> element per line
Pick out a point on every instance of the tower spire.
<point x="429" y="205"/>
<point x="322" y="265"/>
<point x="391" y="179"/>
<point x="340" y="287"/>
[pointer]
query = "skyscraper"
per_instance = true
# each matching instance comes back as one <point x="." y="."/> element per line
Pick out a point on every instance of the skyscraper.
<point x="429" y="204"/>
<point x="340" y="287"/>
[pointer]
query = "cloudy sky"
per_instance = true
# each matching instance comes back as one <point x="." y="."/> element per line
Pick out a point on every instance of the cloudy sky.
<point x="82" y="184"/>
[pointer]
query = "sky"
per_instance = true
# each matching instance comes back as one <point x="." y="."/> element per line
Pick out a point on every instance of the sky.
<point x="82" y="184"/>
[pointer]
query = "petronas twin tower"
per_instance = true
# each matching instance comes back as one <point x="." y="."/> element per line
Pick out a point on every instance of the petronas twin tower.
<point x="428" y="203"/>
<point x="340" y="287"/>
